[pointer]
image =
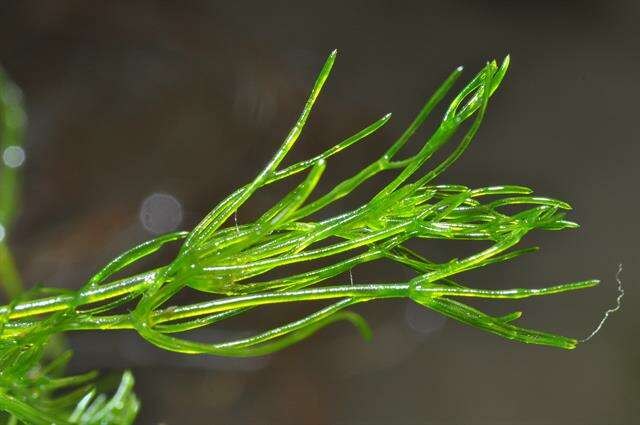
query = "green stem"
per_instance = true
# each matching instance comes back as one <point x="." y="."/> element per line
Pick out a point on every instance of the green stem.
<point x="123" y="321"/>
<point x="223" y="304"/>
<point x="87" y="296"/>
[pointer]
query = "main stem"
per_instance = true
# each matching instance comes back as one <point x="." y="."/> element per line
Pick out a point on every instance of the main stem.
<point x="86" y="296"/>
<point x="139" y="282"/>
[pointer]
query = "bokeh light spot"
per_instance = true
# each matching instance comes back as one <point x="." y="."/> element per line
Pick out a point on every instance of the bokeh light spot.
<point x="423" y="320"/>
<point x="13" y="156"/>
<point x="160" y="213"/>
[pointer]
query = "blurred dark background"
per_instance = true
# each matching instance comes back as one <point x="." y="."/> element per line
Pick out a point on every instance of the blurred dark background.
<point x="143" y="114"/>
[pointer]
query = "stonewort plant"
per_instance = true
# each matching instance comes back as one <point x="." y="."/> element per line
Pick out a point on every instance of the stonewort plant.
<point x="229" y="262"/>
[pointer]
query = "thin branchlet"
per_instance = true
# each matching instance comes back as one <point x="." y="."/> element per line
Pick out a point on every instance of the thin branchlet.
<point x="229" y="260"/>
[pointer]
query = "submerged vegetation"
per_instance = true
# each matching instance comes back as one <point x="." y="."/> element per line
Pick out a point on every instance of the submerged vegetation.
<point x="230" y="261"/>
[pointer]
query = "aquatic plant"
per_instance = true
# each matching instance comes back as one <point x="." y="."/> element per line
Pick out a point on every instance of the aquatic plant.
<point x="230" y="261"/>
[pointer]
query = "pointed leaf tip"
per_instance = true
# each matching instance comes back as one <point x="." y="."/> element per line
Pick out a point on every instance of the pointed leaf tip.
<point x="505" y="63"/>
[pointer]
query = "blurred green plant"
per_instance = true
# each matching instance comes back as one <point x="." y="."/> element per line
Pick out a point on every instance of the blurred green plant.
<point x="227" y="260"/>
